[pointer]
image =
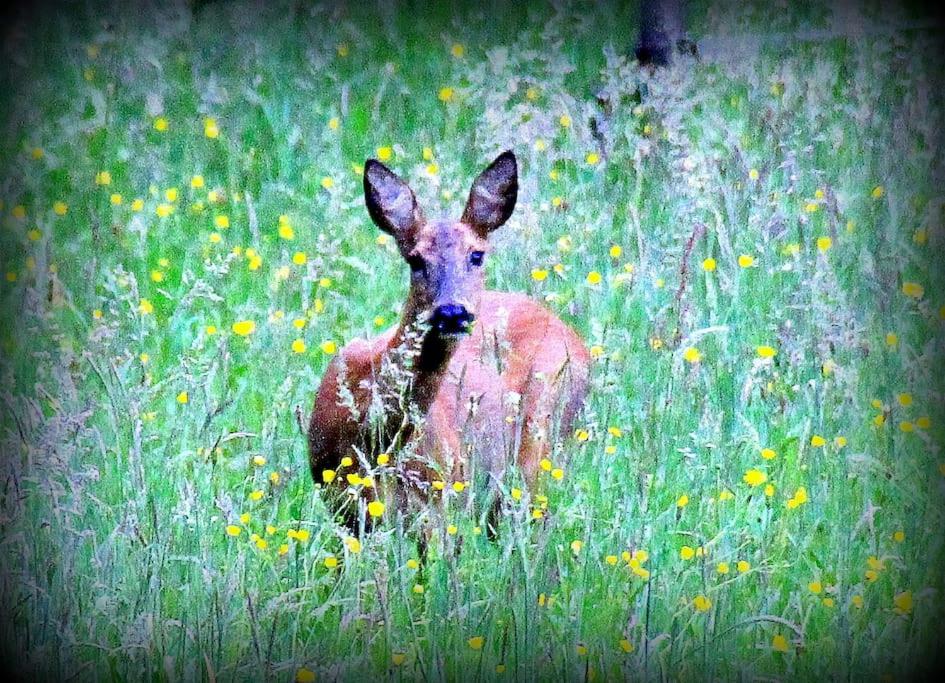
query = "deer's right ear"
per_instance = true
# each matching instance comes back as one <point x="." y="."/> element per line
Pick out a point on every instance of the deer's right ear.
<point x="390" y="201"/>
<point x="493" y="195"/>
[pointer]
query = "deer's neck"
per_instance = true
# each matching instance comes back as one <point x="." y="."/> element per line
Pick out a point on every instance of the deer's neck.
<point x="419" y="359"/>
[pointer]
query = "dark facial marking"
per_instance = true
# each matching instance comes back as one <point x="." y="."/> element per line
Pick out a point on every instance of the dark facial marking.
<point x="416" y="263"/>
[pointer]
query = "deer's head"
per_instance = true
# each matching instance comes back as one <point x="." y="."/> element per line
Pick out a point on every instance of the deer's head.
<point x="446" y="257"/>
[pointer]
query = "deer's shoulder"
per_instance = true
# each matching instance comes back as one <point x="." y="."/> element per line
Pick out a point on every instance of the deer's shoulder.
<point x="359" y="358"/>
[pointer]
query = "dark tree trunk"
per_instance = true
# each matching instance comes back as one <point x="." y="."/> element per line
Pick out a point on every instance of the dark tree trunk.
<point x="661" y="30"/>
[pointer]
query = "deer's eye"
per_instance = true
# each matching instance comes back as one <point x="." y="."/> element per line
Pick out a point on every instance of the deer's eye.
<point x="476" y="257"/>
<point x="417" y="264"/>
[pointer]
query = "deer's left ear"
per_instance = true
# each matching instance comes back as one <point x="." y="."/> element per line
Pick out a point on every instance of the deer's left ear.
<point x="492" y="198"/>
<point x="390" y="202"/>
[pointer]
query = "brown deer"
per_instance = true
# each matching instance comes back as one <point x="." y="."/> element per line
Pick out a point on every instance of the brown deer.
<point x="469" y="382"/>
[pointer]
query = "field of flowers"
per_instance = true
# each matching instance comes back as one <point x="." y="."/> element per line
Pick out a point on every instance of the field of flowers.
<point x="748" y="243"/>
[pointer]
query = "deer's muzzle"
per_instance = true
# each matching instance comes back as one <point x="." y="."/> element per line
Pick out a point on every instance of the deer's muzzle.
<point x="451" y="319"/>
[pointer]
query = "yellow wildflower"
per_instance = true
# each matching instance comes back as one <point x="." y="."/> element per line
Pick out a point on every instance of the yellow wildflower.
<point x="903" y="602"/>
<point x="701" y="603"/>
<point x="244" y="327"/>
<point x="304" y="675"/>
<point x="755" y="477"/>
<point x="766" y="352"/>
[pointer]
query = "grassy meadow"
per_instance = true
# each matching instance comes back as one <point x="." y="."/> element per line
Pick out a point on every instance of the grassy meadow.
<point x="749" y="244"/>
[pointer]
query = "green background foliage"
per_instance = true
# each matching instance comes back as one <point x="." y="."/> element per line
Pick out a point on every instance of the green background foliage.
<point x="139" y="426"/>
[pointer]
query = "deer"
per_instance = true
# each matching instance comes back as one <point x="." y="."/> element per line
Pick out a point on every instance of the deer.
<point x="469" y="384"/>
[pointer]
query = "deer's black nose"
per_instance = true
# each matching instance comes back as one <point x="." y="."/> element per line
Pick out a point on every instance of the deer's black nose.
<point x="451" y="319"/>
